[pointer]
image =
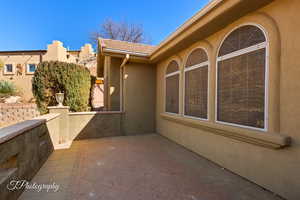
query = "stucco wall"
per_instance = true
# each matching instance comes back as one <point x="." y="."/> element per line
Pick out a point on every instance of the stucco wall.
<point x="94" y="125"/>
<point x="115" y="84"/>
<point x="276" y="170"/>
<point x="139" y="99"/>
<point x="22" y="82"/>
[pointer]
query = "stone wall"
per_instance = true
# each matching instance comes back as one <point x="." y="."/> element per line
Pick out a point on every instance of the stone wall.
<point x="24" y="147"/>
<point x="13" y="113"/>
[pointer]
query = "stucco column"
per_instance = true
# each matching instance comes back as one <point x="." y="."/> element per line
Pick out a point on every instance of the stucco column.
<point x="107" y="62"/>
<point x="64" y="135"/>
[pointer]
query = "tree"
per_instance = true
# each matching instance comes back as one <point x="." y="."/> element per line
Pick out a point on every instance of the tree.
<point x="120" y="31"/>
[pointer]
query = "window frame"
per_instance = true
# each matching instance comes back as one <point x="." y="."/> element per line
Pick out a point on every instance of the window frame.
<point x="203" y="64"/>
<point x="28" y="68"/>
<point x="165" y="91"/>
<point x="240" y="52"/>
<point x="5" y="72"/>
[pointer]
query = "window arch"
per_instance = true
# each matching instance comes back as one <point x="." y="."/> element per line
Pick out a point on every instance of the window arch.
<point x="172" y="87"/>
<point x="241" y="78"/>
<point x="196" y="85"/>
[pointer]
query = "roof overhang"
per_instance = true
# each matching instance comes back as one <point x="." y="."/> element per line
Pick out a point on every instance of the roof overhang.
<point x="209" y="20"/>
<point x="212" y="18"/>
<point x="118" y="53"/>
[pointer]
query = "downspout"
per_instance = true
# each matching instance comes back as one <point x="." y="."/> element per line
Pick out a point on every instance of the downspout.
<point x="122" y="104"/>
<point x="122" y="69"/>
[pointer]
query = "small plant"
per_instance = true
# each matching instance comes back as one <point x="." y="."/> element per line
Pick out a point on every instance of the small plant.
<point x="7" y="89"/>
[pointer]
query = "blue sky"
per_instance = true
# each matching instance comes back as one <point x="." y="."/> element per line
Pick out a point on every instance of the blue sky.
<point x="32" y="24"/>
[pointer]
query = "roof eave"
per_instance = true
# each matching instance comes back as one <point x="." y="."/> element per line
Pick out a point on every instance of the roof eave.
<point x="119" y="51"/>
<point x="212" y="18"/>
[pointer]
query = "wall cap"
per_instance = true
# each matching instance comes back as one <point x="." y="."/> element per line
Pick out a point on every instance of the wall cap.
<point x="58" y="107"/>
<point x="48" y="117"/>
<point x="97" y="113"/>
<point x="263" y="139"/>
<point x="10" y="132"/>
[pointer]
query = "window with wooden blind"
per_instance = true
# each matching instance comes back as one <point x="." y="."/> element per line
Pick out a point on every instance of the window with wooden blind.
<point x="196" y="85"/>
<point x="241" y="78"/>
<point x="172" y="88"/>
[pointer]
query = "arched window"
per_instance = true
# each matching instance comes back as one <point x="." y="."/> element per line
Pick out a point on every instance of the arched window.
<point x="172" y="88"/>
<point x="241" y="78"/>
<point x="196" y="84"/>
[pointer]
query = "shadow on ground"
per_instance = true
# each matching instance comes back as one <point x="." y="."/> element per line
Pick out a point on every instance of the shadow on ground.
<point x="146" y="167"/>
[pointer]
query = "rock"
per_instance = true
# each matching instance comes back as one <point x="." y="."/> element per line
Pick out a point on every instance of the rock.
<point x="12" y="99"/>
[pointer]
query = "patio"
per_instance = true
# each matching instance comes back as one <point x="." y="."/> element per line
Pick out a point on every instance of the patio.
<point x="144" y="167"/>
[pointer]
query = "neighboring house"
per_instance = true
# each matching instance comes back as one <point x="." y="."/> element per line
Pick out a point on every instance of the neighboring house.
<point x="225" y="85"/>
<point x="19" y="66"/>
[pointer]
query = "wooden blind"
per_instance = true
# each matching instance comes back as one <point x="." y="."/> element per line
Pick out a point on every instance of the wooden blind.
<point x="196" y="86"/>
<point x="241" y="89"/>
<point x="241" y="38"/>
<point x="196" y="57"/>
<point x="172" y="94"/>
<point x="172" y="88"/>
<point x="172" y="67"/>
<point x="241" y="79"/>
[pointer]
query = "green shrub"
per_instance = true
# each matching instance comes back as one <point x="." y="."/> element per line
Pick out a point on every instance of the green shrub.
<point x="7" y="89"/>
<point x="71" y="79"/>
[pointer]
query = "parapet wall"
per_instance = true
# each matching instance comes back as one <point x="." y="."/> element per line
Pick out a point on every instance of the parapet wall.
<point x="24" y="147"/>
<point x="89" y="125"/>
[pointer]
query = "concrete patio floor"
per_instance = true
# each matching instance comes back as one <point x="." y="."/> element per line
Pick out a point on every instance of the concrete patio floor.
<point x="147" y="167"/>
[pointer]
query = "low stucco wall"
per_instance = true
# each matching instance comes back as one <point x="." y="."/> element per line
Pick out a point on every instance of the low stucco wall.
<point x="276" y="170"/>
<point x="24" y="147"/>
<point x="89" y="125"/>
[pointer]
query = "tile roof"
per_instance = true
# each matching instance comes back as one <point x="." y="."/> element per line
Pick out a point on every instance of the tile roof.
<point x="128" y="46"/>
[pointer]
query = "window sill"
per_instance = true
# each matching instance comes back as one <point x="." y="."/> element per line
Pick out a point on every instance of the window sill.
<point x="97" y="113"/>
<point x="263" y="139"/>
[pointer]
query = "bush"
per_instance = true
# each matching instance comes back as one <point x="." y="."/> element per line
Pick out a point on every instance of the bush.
<point x="71" y="79"/>
<point x="7" y="89"/>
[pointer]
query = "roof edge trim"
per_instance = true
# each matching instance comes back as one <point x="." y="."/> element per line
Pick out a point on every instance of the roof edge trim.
<point x="210" y="6"/>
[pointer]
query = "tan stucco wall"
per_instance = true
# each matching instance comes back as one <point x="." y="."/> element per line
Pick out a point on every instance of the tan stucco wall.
<point x="115" y="84"/>
<point x="276" y="170"/>
<point x="94" y="125"/>
<point x="86" y="51"/>
<point x="22" y="82"/>
<point x="139" y="99"/>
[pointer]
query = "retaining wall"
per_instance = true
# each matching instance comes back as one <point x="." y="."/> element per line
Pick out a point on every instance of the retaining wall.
<point x="13" y="113"/>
